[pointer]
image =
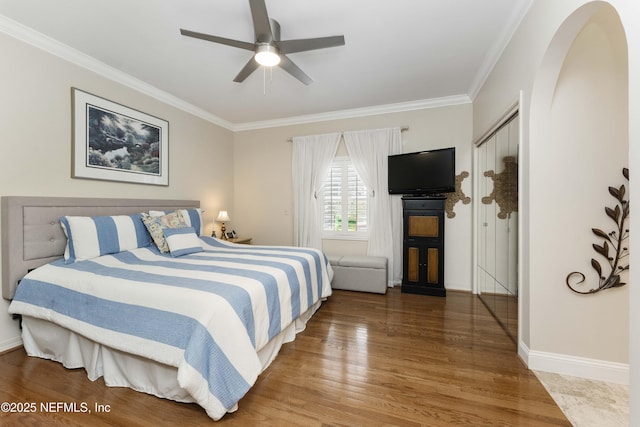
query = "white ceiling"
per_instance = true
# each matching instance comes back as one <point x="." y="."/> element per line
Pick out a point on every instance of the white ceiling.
<point x="399" y="54"/>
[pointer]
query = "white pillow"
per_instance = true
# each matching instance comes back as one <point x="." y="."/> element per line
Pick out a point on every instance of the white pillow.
<point x="182" y="241"/>
<point x="91" y="237"/>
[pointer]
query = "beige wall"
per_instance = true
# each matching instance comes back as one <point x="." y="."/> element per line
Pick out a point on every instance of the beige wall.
<point x="573" y="146"/>
<point x="35" y="142"/>
<point x="263" y="187"/>
<point x="584" y="152"/>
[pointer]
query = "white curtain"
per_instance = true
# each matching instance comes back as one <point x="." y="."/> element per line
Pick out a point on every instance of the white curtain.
<point x="368" y="151"/>
<point x="311" y="160"/>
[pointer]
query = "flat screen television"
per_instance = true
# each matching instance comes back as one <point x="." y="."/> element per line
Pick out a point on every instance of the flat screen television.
<point x="423" y="173"/>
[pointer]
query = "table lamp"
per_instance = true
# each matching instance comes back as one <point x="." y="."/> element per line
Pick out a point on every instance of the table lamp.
<point x="222" y="217"/>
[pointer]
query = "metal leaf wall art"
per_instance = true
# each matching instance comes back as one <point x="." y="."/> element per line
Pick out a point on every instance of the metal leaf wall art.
<point x="613" y="241"/>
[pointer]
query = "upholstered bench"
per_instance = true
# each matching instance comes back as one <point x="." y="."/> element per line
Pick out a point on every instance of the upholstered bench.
<point x="359" y="273"/>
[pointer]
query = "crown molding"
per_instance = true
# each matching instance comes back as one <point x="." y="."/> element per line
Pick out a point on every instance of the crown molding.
<point x="54" y="47"/>
<point x="496" y="51"/>
<point x="357" y="112"/>
<point x="67" y="53"/>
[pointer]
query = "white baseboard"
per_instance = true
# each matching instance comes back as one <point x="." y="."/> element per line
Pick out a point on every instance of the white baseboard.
<point x="10" y="344"/>
<point x="458" y="287"/>
<point x="581" y="367"/>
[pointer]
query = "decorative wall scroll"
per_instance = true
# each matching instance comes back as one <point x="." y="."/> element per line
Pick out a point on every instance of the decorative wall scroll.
<point x="505" y="188"/>
<point x="457" y="196"/>
<point x="614" y="240"/>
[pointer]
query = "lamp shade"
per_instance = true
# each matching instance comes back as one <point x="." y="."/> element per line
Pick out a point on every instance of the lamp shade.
<point x="223" y="216"/>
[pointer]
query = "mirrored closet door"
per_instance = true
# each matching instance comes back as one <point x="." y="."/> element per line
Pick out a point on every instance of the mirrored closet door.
<point x="497" y="224"/>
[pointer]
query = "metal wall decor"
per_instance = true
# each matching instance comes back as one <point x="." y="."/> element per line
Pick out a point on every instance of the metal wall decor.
<point x="505" y="188"/>
<point x="456" y="196"/>
<point x="614" y="240"/>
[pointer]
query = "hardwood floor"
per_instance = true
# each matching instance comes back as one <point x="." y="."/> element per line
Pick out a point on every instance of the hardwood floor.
<point x="364" y="360"/>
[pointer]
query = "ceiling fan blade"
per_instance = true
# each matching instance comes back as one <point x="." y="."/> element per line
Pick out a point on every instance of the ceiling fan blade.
<point x="261" y="24"/>
<point x="216" y="39"/>
<point x="291" y="68"/>
<point x="249" y="68"/>
<point x="303" y="45"/>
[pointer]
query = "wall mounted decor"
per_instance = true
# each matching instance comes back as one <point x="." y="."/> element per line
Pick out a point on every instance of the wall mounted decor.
<point x="614" y="240"/>
<point x="457" y="196"/>
<point x="116" y="143"/>
<point x="505" y="188"/>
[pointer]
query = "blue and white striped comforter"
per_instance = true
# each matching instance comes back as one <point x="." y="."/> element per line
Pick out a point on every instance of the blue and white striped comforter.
<point x="206" y="314"/>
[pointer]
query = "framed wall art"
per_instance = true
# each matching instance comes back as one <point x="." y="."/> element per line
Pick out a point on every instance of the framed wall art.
<point x="117" y="143"/>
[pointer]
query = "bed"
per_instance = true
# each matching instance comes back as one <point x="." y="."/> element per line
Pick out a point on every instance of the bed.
<point x="197" y="323"/>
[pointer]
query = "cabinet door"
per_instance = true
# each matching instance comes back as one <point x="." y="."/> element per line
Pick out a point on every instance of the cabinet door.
<point x="426" y="225"/>
<point x="423" y="264"/>
<point x="432" y="264"/>
<point x="413" y="264"/>
<point x="423" y="225"/>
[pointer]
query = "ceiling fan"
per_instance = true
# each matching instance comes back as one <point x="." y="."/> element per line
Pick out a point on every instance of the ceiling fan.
<point x="268" y="49"/>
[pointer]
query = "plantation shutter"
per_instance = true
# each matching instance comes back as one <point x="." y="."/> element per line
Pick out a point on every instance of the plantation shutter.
<point x="332" y="217"/>
<point x="344" y="199"/>
<point x="357" y="197"/>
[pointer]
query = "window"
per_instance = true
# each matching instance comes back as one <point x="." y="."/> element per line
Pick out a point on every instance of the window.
<point x="345" y="205"/>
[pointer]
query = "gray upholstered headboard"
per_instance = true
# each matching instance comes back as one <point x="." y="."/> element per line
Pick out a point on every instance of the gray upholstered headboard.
<point x="32" y="235"/>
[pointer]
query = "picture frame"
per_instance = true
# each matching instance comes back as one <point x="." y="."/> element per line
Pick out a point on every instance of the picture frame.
<point x="113" y="142"/>
<point x="230" y="235"/>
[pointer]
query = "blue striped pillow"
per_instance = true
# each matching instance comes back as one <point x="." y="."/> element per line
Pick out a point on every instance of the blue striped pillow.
<point x="182" y="241"/>
<point x="193" y="218"/>
<point x="91" y="237"/>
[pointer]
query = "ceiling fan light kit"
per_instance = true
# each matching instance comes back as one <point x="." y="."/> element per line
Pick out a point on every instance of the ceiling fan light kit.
<point x="267" y="55"/>
<point x="268" y="49"/>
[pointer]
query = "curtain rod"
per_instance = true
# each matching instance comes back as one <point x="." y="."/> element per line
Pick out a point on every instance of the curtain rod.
<point x="402" y="129"/>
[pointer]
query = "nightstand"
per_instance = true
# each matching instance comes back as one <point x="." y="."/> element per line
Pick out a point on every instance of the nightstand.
<point x="243" y="240"/>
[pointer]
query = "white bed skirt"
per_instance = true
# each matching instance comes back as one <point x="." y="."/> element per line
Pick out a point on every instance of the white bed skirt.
<point x="119" y="369"/>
